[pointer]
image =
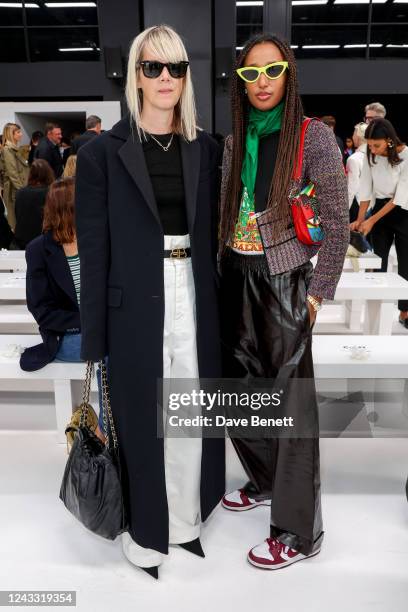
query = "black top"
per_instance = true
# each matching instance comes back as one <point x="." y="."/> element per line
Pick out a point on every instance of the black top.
<point x="50" y="152"/>
<point x="81" y="140"/>
<point x="29" y="214"/>
<point x="166" y="174"/>
<point x="268" y="149"/>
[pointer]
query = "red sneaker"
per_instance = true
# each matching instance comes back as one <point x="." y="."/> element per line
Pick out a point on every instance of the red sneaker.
<point x="273" y="554"/>
<point x="237" y="501"/>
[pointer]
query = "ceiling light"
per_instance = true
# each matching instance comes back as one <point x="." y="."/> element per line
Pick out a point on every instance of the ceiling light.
<point x="70" y="4"/>
<point x="294" y="46"/>
<point x="249" y="3"/>
<point x="359" y="1"/>
<point x="321" y="47"/>
<point x="67" y="49"/>
<point x="364" y="45"/>
<point x="308" y="2"/>
<point x="17" y="5"/>
<point x="397" y="46"/>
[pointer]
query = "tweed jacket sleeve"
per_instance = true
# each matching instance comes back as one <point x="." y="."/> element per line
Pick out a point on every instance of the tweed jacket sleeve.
<point x="323" y="166"/>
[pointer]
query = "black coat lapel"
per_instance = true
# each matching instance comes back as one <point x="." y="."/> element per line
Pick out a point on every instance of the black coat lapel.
<point x="132" y="156"/>
<point x="59" y="268"/>
<point x="190" y="157"/>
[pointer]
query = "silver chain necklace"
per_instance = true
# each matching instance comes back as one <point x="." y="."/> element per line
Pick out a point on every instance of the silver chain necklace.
<point x="165" y="148"/>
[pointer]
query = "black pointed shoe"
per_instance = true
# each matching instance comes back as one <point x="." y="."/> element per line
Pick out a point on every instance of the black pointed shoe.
<point x="152" y="571"/>
<point x="194" y="547"/>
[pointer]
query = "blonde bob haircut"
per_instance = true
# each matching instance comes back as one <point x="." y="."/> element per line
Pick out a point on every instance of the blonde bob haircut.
<point x="165" y="44"/>
<point x="8" y="133"/>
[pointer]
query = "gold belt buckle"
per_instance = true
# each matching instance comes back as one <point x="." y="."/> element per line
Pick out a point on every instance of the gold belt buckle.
<point x="178" y="253"/>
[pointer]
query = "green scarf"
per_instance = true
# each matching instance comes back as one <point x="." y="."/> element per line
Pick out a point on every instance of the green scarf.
<point x="260" y="124"/>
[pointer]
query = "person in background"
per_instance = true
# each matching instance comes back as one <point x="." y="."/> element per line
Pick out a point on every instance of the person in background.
<point x="349" y="150"/>
<point x="53" y="283"/>
<point x="330" y="121"/>
<point x="385" y="177"/>
<point x="15" y="169"/>
<point x="354" y="166"/>
<point x="35" y="139"/>
<point x="70" y="166"/>
<point x="372" y="111"/>
<point x="93" y="126"/>
<point x="65" y="149"/>
<point x="30" y="203"/>
<point x="49" y="148"/>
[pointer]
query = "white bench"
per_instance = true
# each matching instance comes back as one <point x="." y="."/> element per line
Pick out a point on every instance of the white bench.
<point x="63" y="375"/>
<point x="388" y="357"/>
<point x="16" y="315"/>
<point x="377" y="374"/>
<point x="12" y="260"/>
<point x="13" y="286"/>
<point x="367" y="261"/>
<point x="378" y="291"/>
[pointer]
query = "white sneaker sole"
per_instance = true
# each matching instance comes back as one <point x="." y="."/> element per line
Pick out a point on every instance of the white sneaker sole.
<point x="244" y="508"/>
<point x="286" y="564"/>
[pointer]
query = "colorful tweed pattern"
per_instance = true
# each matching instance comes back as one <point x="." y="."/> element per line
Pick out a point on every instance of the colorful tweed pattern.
<point x="322" y="165"/>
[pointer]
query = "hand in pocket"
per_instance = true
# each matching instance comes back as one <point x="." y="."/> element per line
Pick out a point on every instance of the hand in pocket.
<point x="312" y="314"/>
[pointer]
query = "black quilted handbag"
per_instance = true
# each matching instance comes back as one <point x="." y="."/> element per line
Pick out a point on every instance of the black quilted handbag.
<point x="91" y="486"/>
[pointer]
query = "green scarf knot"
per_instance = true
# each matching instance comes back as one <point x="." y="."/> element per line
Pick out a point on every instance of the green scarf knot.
<point x="261" y="123"/>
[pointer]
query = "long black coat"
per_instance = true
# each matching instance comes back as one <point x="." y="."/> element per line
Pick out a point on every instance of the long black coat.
<point x="120" y="241"/>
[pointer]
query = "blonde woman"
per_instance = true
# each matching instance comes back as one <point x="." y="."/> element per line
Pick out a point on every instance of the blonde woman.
<point x="70" y="167"/>
<point x="15" y="169"/>
<point x="146" y="226"/>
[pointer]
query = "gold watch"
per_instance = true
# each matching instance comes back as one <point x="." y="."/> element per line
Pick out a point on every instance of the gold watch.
<point x="315" y="303"/>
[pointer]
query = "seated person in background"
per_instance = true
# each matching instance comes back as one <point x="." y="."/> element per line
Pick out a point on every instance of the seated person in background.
<point x="70" y="166"/>
<point x="53" y="282"/>
<point x="30" y="202"/>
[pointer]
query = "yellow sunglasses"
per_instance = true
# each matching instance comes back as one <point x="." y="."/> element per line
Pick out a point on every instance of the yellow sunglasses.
<point x="250" y="74"/>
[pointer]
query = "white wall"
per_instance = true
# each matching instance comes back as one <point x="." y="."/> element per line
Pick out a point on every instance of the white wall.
<point x="33" y="115"/>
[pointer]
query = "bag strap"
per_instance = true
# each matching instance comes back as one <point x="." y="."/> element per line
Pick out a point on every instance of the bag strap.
<point x="299" y="162"/>
<point x="106" y="405"/>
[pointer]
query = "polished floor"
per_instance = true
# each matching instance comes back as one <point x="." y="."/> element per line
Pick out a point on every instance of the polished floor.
<point x="363" y="564"/>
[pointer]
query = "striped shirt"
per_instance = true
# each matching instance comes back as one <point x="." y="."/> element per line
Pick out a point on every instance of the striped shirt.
<point x="73" y="262"/>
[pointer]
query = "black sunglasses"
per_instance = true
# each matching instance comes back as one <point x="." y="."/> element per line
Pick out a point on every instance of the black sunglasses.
<point x="152" y="70"/>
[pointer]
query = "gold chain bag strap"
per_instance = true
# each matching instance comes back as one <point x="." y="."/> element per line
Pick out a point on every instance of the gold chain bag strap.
<point x="91" y="486"/>
<point x="84" y="414"/>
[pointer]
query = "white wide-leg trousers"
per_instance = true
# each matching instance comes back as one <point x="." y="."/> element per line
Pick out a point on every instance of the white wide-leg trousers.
<point x="182" y="456"/>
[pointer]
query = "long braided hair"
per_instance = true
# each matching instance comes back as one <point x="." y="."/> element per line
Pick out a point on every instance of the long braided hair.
<point x="288" y="142"/>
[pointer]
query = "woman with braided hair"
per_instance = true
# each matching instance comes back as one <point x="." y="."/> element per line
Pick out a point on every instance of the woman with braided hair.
<point x="269" y="291"/>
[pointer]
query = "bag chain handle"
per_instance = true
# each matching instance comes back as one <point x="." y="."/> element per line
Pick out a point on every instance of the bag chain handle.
<point x="107" y="410"/>
<point x="106" y="405"/>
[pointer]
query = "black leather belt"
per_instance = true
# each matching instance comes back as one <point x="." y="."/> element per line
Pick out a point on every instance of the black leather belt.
<point x="178" y="253"/>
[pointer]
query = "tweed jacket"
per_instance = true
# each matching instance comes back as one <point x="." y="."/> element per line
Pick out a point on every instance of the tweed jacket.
<point x="322" y="164"/>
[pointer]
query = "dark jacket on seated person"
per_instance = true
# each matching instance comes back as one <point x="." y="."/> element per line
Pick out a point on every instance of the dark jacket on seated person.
<point x="51" y="299"/>
<point x="29" y="214"/>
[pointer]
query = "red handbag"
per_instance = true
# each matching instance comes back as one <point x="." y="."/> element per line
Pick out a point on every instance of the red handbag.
<point x="304" y="205"/>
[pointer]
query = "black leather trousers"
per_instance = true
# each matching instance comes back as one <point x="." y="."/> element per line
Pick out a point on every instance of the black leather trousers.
<point x="266" y="333"/>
